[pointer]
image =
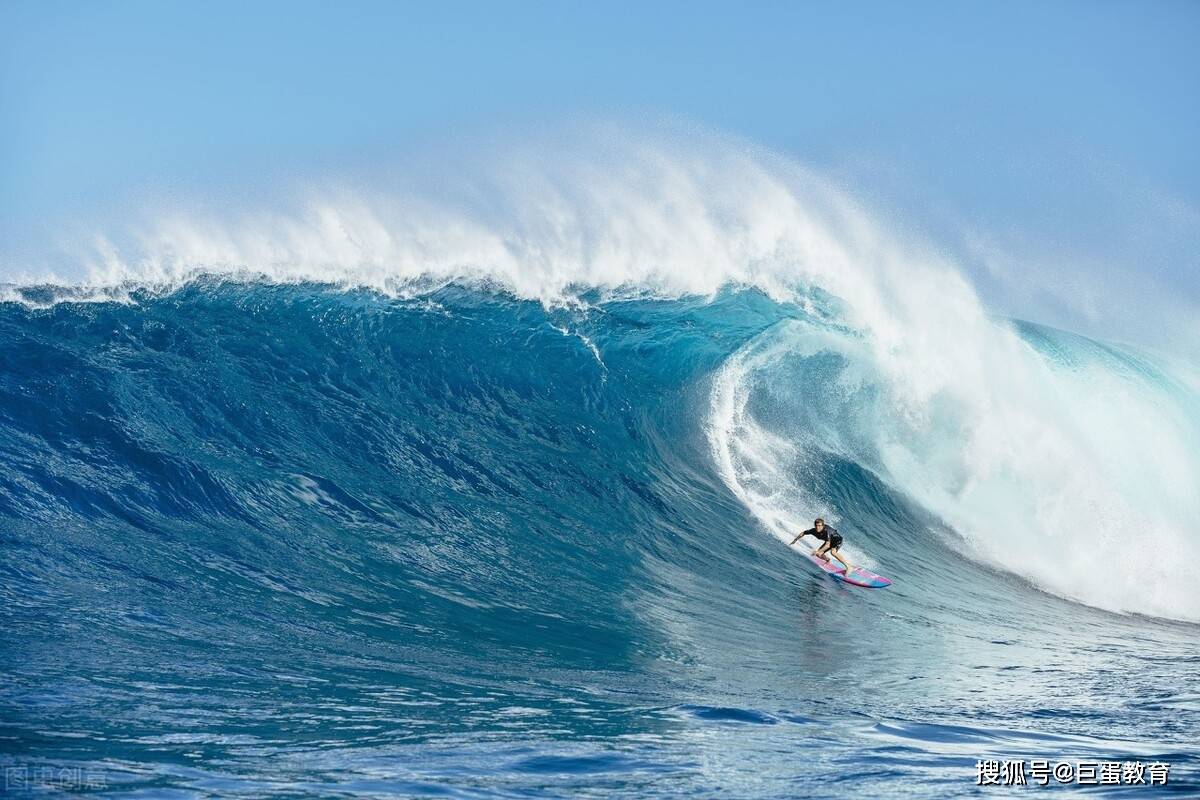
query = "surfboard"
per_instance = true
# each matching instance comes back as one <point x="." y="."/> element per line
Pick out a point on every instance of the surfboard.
<point x="857" y="577"/>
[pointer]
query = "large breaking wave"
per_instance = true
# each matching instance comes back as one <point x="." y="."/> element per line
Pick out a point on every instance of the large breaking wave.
<point x="1043" y="453"/>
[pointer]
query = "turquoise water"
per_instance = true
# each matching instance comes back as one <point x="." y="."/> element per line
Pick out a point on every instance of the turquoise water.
<point x="286" y="540"/>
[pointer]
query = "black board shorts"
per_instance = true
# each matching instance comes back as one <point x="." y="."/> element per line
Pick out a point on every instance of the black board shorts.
<point x="835" y="541"/>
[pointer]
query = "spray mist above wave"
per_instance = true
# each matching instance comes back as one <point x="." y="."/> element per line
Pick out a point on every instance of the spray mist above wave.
<point x="539" y="220"/>
<point x="1042" y="467"/>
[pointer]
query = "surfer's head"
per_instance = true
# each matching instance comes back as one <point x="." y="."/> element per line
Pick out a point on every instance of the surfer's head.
<point x="818" y="523"/>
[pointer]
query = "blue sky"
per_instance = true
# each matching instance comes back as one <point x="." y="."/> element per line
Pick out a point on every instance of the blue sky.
<point x="1042" y="120"/>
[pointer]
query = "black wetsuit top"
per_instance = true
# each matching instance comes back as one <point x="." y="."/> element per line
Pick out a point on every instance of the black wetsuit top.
<point x="828" y="535"/>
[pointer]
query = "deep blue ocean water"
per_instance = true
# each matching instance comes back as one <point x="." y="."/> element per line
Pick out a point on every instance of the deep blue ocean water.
<point x="297" y="541"/>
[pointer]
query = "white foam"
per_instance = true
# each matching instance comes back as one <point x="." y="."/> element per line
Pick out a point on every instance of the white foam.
<point x="666" y="218"/>
<point x="1079" y="477"/>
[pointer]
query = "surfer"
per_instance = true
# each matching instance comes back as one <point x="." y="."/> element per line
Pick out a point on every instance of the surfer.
<point x="831" y="541"/>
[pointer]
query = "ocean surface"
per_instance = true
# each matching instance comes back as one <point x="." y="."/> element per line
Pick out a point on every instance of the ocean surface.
<point x="290" y="539"/>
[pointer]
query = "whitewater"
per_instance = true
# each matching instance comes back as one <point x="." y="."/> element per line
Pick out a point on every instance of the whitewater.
<point x="483" y="485"/>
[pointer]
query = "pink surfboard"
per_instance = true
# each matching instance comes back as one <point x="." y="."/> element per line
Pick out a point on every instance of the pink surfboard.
<point x="857" y="576"/>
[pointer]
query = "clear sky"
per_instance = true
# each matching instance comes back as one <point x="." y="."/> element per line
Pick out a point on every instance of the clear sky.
<point x="1068" y="127"/>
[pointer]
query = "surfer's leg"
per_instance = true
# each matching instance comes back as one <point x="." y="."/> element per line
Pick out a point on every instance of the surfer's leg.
<point x="838" y="555"/>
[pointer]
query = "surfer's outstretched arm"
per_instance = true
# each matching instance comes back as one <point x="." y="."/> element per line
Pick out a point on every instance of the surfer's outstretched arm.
<point x="799" y="536"/>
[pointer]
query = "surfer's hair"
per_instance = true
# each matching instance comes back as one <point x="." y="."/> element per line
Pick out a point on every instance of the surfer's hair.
<point x="818" y="521"/>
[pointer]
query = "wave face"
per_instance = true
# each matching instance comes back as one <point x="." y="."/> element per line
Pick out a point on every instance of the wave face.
<point x="462" y="541"/>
